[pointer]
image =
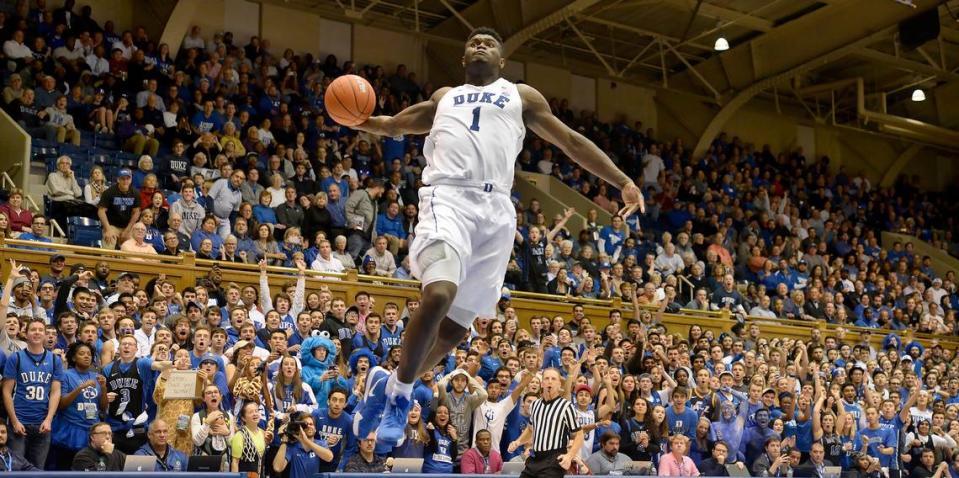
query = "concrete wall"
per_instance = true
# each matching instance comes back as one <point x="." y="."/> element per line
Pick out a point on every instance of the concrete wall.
<point x="616" y="99"/>
<point x="551" y="81"/>
<point x="369" y="46"/>
<point x="288" y="28"/>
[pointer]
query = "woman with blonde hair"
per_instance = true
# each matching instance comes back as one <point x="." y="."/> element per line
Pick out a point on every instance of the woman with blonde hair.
<point x="231" y="136"/>
<point x="95" y="186"/>
<point x="292" y="244"/>
<point x="277" y="190"/>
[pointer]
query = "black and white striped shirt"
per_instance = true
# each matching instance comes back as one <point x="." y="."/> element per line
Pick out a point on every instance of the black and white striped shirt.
<point x="553" y="422"/>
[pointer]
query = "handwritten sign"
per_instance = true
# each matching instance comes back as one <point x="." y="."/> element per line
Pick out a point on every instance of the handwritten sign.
<point x="183" y="385"/>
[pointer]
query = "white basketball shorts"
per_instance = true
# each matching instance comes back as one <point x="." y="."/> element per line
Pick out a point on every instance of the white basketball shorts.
<point x="480" y="226"/>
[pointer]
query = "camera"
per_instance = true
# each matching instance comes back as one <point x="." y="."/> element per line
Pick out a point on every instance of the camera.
<point x="296" y="423"/>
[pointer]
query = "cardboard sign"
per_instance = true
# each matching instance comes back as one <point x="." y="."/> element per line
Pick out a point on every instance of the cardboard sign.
<point x="183" y="385"/>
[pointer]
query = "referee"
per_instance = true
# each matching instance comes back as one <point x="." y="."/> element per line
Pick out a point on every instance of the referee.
<point x="552" y="427"/>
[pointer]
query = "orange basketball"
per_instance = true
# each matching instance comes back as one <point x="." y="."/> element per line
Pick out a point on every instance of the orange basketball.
<point x="350" y="100"/>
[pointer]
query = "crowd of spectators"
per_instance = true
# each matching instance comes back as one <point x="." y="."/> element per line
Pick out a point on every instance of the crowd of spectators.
<point x="238" y="163"/>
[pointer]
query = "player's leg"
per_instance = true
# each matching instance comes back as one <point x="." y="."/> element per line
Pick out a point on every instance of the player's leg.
<point x="451" y="334"/>
<point x="422" y="340"/>
<point x="440" y="266"/>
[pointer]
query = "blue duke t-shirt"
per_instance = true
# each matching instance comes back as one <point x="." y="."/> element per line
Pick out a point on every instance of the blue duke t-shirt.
<point x="303" y="463"/>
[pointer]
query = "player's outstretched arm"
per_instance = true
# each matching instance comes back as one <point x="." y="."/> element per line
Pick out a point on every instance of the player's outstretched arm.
<point x="416" y="119"/>
<point x="541" y="121"/>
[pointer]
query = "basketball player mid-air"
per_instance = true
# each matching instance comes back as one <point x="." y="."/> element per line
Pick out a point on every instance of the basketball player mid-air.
<point x="467" y="222"/>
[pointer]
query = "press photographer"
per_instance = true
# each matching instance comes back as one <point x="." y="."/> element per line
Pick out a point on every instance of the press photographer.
<point x="299" y="449"/>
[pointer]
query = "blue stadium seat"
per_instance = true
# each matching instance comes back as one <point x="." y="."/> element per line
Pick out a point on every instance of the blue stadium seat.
<point x="83" y="231"/>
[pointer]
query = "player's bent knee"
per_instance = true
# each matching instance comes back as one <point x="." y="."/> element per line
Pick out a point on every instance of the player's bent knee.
<point x="439" y="262"/>
<point x="440" y="293"/>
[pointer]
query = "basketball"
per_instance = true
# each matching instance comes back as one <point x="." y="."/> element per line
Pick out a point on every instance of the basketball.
<point x="350" y="100"/>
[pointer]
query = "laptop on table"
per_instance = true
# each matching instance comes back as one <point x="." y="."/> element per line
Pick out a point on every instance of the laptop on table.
<point x="140" y="463"/>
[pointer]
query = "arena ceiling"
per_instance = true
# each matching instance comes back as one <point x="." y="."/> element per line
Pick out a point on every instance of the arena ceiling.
<point x="783" y="48"/>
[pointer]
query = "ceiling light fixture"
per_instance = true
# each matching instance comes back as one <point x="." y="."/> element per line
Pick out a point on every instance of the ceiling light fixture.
<point x="918" y="95"/>
<point x="721" y="44"/>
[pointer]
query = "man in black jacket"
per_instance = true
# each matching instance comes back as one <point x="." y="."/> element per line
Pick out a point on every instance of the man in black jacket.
<point x="100" y="454"/>
<point x="716" y="465"/>
<point x="336" y="325"/>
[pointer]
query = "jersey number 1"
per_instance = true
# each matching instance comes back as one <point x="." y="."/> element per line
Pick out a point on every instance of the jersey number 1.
<point x="476" y="113"/>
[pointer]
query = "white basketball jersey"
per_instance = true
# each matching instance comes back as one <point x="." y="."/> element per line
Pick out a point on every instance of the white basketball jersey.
<point x="476" y="136"/>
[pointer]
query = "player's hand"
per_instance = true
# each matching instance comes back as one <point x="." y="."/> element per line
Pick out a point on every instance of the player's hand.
<point x="633" y="200"/>
<point x="45" y="427"/>
<point x="512" y="446"/>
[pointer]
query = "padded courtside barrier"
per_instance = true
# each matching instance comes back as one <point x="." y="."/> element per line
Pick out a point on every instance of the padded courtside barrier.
<point x="124" y="474"/>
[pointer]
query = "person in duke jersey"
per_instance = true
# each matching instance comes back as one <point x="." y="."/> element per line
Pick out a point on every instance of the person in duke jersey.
<point x="31" y="391"/>
<point x="335" y="427"/>
<point x="129" y="380"/>
<point x="302" y="458"/>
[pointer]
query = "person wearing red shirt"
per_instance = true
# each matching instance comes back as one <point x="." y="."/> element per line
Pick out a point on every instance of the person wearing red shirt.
<point x="482" y="459"/>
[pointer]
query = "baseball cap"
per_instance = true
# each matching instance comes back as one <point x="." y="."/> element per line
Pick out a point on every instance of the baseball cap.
<point x="193" y="305"/>
<point x="242" y="343"/>
<point x="505" y="294"/>
<point x="368" y="260"/>
<point x="582" y="387"/>
<point x="21" y="281"/>
<point x="210" y="358"/>
<point x="58" y="257"/>
<point x="126" y="275"/>
<point x="604" y="265"/>
<point x="125" y="172"/>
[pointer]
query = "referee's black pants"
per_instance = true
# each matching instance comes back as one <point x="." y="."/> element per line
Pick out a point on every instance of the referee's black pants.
<point x="544" y="465"/>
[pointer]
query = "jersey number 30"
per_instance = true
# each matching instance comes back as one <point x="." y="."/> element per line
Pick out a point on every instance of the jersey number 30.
<point x="35" y="393"/>
<point x="475" y="125"/>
